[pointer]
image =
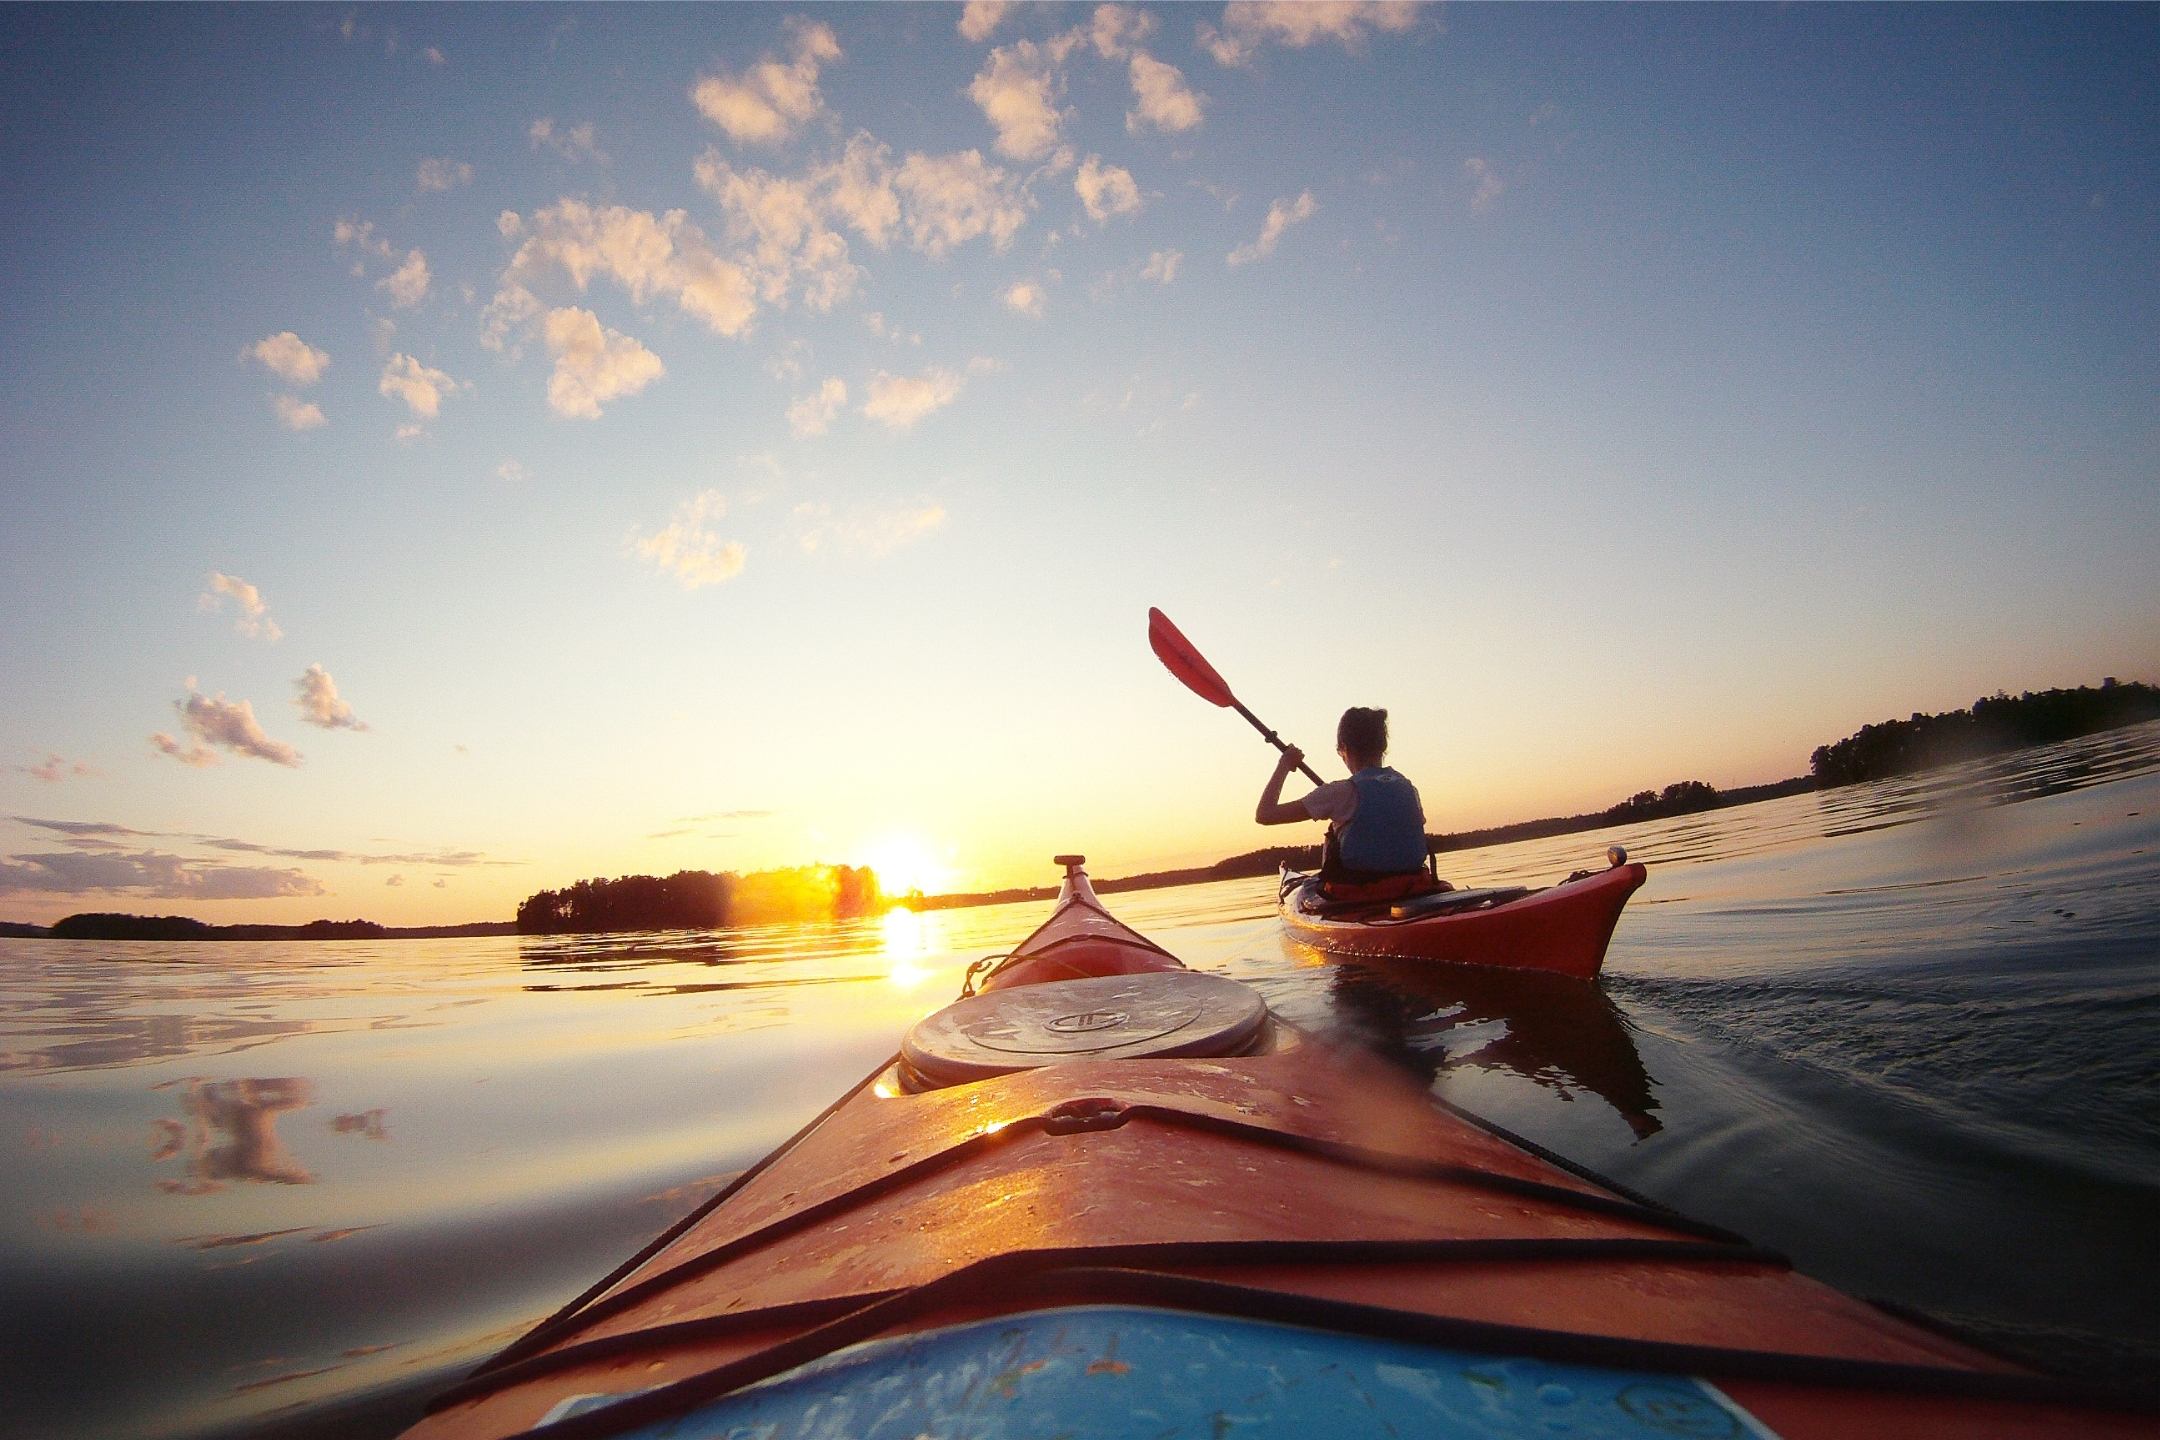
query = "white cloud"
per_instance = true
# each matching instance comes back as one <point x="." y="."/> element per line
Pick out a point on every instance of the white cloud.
<point x="1026" y="297"/>
<point x="1162" y="266"/>
<point x="865" y="530"/>
<point x="1487" y="183"/>
<point x="421" y="387"/>
<point x="297" y="414"/>
<point x="150" y="874"/>
<point x="290" y="358"/>
<point x="1018" y="90"/>
<point x="858" y="188"/>
<point x="1162" y="99"/>
<point x="321" y="705"/>
<point x="56" y="767"/>
<point x="253" y="619"/>
<point x="594" y="365"/>
<point x="1249" y="24"/>
<point x="407" y="432"/>
<point x="690" y="548"/>
<point x="899" y="402"/>
<point x="407" y="285"/>
<point x="1281" y="215"/>
<point x="781" y="224"/>
<point x="434" y="55"/>
<point x="441" y="174"/>
<point x="770" y="101"/>
<point x="651" y="257"/>
<point x="979" y="18"/>
<point x="361" y="235"/>
<point x="227" y="724"/>
<point x="511" y="471"/>
<point x="573" y="142"/>
<point x="1106" y="190"/>
<point x="813" y="414"/>
<point x="1117" y="29"/>
<point x="952" y="199"/>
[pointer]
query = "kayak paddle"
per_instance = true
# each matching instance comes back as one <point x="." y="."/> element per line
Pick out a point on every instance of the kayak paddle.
<point x="1191" y="667"/>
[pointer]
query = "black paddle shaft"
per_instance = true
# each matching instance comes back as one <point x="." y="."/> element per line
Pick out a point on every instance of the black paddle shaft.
<point x="1276" y="740"/>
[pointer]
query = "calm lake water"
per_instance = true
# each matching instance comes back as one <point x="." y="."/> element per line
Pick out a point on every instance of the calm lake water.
<point x="1909" y="1033"/>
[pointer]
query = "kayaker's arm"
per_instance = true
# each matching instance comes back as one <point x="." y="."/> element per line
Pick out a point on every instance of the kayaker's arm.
<point x="1273" y="809"/>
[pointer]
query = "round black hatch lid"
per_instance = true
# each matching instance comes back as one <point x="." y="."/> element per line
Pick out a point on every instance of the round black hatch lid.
<point x="1154" y="1015"/>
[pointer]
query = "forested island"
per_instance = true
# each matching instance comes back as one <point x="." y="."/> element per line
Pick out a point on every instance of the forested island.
<point x="1994" y="724"/>
<point x="703" y="899"/>
<point x="100" y="925"/>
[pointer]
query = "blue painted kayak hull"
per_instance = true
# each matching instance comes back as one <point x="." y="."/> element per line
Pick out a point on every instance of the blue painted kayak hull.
<point x="1120" y="1371"/>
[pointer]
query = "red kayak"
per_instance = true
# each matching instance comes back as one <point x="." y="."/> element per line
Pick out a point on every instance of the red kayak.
<point x="1108" y="1196"/>
<point x="1562" y="928"/>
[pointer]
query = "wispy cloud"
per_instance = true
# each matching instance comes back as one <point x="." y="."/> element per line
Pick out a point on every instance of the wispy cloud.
<point x="813" y="414"/>
<point x="421" y="387"/>
<point x="297" y="414"/>
<point x="767" y="103"/>
<point x="107" y="834"/>
<point x="1116" y="30"/>
<point x="1280" y="217"/>
<point x="780" y="228"/>
<point x="952" y="199"/>
<point x="150" y="874"/>
<point x="1106" y="190"/>
<point x="1162" y="266"/>
<point x="512" y="472"/>
<point x="979" y="19"/>
<point x="572" y="142"/>
<point x="438" y="174"/>
<point x="864" y="530"/>
<point x="899" y="402"/>
<point x="290" y="358"/>
<point x="253" y="619"/>
<point x="1161" y="98"/>
<point x="1249" y="24"/>
<point x="594" y="365"/>
<point x="1485" y="182"/>
<point x="649" y="256"/>
<point x="321" y="705"/>
<point x="225" y="724"/>
<point x="690" y="548"/>
<point x="407" y="285"/>
<point x="56" y="767"/>
<point x="1018" y="90"/>
<point x="1025" y="297"/>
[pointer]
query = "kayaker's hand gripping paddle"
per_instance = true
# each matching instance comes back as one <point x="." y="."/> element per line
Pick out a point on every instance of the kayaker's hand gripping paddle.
<point x="1191" y="667"/>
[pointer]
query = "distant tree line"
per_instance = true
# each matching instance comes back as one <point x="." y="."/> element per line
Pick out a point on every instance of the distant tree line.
<point x="700" y="900"/>
<point x="1996" y="723"/>
<point x="100" y="925"/>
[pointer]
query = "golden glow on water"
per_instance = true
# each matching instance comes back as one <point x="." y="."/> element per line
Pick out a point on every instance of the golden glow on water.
<point x="908" y="937"/>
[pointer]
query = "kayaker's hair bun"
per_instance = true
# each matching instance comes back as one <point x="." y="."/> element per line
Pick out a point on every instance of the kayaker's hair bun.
<point x="1363" y="731"/>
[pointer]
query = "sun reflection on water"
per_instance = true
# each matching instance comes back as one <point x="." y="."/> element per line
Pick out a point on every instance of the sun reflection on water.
<point x="908" y="936"/>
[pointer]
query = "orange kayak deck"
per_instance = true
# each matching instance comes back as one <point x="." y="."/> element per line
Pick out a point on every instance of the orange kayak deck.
<point x="1295" y="1185"/>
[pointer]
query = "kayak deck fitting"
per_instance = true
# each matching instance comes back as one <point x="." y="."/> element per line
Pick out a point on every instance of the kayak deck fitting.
<point x="1135" y="1203"/>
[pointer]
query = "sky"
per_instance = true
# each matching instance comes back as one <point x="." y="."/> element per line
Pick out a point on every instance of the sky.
<point x="452" y="451"/>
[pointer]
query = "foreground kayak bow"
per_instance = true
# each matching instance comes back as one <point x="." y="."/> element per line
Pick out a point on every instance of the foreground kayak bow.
<point x="1128" y="1201"/>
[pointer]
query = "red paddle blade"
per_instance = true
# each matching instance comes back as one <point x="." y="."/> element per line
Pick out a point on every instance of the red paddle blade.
<point x="1176" y="652"/>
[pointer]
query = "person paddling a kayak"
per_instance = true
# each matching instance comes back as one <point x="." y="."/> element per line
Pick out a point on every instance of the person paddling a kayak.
<point x="1376" y="824"/>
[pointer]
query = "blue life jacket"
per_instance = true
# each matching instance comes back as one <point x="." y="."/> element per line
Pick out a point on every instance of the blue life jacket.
<point x="1387" y="834"/>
